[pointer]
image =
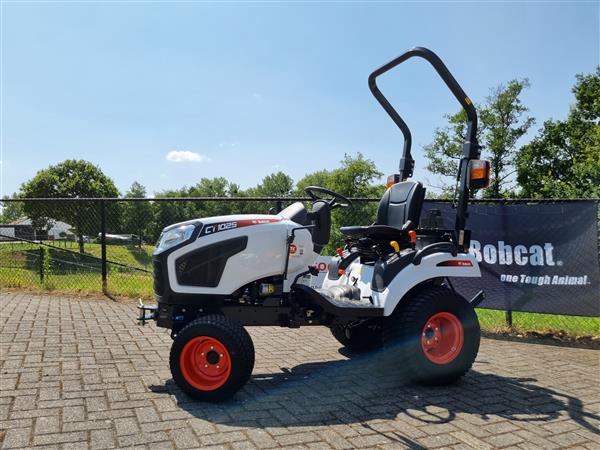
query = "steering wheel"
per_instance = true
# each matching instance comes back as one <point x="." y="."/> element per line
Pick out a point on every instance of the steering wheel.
<point x="336" y="200"/>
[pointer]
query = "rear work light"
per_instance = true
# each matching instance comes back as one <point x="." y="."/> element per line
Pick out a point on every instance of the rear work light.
<point x="479" y="174"/>
<point x="392" y="179"/>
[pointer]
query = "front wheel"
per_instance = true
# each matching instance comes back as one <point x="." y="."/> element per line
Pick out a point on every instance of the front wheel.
<point x="438" y="335"/>
<point x="212" y="358"/>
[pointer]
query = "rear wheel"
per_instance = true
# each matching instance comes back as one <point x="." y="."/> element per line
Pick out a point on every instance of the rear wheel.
<point x="358" y="337"/>
<point x="212" y="358"/>
<point x="438" y="335"/>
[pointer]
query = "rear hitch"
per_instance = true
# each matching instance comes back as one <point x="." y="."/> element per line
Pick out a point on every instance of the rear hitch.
<point x="479" y="297"/>
<point x="143" y="317"/>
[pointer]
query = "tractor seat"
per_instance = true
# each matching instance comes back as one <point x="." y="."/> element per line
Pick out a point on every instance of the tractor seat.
<point x="398" y="212"/>
<point x="375" y="232"/>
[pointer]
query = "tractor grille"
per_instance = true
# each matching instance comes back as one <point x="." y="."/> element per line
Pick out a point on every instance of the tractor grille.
<point x="159" y="285"/>
<point x="204" y="266"/>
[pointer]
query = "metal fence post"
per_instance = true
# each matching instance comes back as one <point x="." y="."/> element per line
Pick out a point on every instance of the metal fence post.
<point x="509" y="318"/>
<point x="279" y="206"/>
<point x="103" y="245"/>
<point x="41" y="264"/>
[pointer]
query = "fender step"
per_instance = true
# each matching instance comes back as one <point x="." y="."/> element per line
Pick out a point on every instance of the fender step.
<point x="336" y="306"/>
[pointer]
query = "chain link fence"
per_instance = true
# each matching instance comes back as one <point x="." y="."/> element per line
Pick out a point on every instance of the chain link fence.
<point x="105" y="246"/>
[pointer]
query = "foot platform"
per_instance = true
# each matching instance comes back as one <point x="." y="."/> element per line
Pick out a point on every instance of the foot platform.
<point x="337" y="306"/>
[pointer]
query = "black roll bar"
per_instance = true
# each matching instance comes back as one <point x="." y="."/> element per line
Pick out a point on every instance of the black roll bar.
<point x="470" y="147"/>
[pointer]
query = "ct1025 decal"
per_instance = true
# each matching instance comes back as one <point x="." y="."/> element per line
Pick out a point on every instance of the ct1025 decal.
<point x="233" y="224"/>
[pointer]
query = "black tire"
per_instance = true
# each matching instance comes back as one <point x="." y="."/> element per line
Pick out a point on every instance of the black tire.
<point x="358" y="338"/>
<point x="405" y="329"/>
<point x="233" y="340"/>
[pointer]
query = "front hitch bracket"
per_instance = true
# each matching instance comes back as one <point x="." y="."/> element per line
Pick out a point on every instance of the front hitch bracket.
<point x="147" y="313"/>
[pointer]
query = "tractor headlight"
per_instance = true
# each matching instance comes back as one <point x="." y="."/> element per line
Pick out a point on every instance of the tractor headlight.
<point x="173" y="237"/>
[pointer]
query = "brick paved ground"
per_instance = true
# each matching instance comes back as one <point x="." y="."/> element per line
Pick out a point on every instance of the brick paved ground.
<point x="81" y="374"/>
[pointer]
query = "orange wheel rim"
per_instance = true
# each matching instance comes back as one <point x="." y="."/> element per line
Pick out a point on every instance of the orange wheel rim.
<point x="205" y="363"/>
<point x="442" y="338"/>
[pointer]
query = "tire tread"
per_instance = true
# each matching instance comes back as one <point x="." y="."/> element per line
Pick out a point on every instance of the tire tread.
<point x="398" y="328"/>
<point x="246" y="358"/>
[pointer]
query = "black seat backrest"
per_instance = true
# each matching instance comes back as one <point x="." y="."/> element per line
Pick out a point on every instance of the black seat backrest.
<point x="400" y="203"/>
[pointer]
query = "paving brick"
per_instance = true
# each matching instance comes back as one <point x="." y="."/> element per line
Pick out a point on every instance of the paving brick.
<point x="471" y="440"/>
<point x="504" y="440"/>
<point x="147" y="414"/>
<point x="102" y="439"/>
<point x="184" y="438"/>
<point x="243" y="445"/>
<point x="24" y="403"/>
<point x="165" y="425"/>
<point x="73" y="413"/>
<point x="88" y="425"/>
<point x="369" y="441"/>
<point x="222" y="438"/>
<point x="297" y="438"/>
<point x="568" y="439"/>
<point x="141" y="439"/>
<point x="17" y="437"/>
<point x="47" y="424"/>
<point x="59" y="438"/>
<point x="441" y="440"/>
<point x="126" y="425"/>
<point x="261" y="438"/>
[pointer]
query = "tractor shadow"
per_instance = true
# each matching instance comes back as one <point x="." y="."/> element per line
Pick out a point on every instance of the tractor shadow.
<point x="369" y="387"/>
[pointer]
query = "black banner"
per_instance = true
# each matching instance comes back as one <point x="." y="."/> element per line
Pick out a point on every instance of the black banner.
<point x="533" y="257"/>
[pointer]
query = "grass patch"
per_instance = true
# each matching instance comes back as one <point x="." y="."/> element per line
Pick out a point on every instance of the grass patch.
<point x="131" y="285"/>
<point x="131" y="255"/>
<point x="72" y="283"/>
<point x="121" y="284"/>
<point x="494" y="321"/>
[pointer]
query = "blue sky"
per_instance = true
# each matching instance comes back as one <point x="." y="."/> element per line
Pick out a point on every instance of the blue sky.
<point x="257" y="88"/>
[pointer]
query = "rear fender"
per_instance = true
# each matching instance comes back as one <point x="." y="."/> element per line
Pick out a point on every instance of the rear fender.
<point x="436" y="265"/>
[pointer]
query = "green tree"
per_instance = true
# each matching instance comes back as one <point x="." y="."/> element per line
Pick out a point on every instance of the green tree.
<point x="70" y="179"/>
<point x="11" y="211"/>
<point x="503" y="121"/>
<point x="356" y="177"/>
<point x="212" y="187"/>
<point x="136" y="215"/>
<point x="319" y="178"/>
<point x="563" y="160"/>
<point x="275" y="185"/>
<point x="444" y="152"/>
<point x="165" y="213"/>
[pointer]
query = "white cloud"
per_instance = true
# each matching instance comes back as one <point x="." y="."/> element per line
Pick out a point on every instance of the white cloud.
<point x="186" y="156"/>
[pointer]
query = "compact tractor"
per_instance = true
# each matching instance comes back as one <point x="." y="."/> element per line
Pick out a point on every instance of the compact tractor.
<point x="388" y="286"/>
